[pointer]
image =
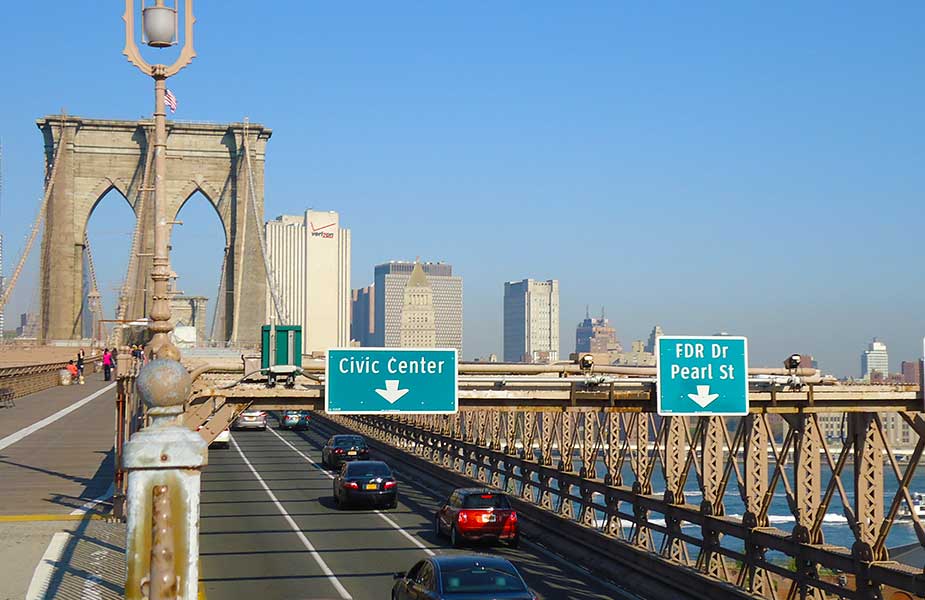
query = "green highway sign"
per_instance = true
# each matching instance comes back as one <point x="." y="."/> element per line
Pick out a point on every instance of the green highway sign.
<point x="362" y="381"/>
<point x="702" y="375"/>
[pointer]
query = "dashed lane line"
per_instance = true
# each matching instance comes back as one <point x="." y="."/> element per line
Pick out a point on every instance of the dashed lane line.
<point x="384" y="517"/>
<point x="332" y="578"/>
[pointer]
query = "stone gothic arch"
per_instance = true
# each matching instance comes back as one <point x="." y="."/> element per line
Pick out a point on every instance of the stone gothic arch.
<point x="99" y="155"/>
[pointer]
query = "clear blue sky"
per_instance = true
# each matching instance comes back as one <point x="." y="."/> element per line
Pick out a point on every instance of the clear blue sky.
<point x="750" y="167"/>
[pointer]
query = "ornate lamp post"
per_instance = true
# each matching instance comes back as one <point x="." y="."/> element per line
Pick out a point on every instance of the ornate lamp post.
<point x="160" y="31"/>
<point x="163" y="460"/>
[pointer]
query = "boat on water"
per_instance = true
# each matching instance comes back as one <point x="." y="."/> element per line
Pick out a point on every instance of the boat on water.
<point x="918" y="505"/>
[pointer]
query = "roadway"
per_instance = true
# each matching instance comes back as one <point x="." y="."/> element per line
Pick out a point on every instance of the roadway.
<point x="269" y="529"/>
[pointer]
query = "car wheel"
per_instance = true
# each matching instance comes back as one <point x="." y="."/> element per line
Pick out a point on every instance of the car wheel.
<point x="454" y="538"/>
<point x="438" y="533"/>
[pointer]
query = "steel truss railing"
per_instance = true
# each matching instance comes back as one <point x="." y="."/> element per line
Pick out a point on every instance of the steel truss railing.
<point x="554" y="458"/>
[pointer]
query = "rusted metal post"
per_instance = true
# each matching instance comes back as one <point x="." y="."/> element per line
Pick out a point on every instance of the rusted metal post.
<point x="163" y="462"/>
<point x="125" y="411"/>
<point x="163" y="582"/>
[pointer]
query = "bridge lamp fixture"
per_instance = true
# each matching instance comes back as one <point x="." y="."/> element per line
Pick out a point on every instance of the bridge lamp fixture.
<point x="159" y="24"/>
<point x="586" y="363"/>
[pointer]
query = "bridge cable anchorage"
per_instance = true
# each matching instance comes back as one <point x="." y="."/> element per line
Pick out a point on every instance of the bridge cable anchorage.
<point x="39" y="218"/>
<point x="131" y="272"/>
<point x="268" y="268"/>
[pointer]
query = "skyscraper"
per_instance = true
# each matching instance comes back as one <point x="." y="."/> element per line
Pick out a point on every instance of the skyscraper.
<point x="912" y="371"/>
<point x="310" y="263"/>
<point x="418" y="322"/>
<point x="653" y="337"/>
<point x="362" y="315"/>
<point x="531" y="321"/>
<point x="875" y="358"/>
<point x="595" y="335"/>
<point x="392" y="278"/>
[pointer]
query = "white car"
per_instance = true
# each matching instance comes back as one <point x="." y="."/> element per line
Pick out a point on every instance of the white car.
<point x="251" y="419"/>
<point x="222" y="440"/>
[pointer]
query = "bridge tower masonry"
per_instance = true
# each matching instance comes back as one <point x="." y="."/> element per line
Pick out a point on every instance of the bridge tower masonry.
<point x="100" y="155"/>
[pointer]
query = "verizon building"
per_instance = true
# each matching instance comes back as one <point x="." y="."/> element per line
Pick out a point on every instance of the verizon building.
<point x="416" y="303"/>
<point x="310" y="263"/>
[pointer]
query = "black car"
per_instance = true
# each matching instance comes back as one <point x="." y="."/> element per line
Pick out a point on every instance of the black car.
<point x="341" y="448"/>
<point x="462" y="577"/>
<point x="366" y="482"/>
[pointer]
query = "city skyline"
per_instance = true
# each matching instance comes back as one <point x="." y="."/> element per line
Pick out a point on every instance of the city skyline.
<point x="635" y="119"/>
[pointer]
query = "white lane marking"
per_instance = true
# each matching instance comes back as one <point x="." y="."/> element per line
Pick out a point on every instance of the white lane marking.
<point x="43" y="573"/>
<point x="27" y="431"/>
<point x="398" y="527"/>
<point x="385" y="518"/>
<point x="308" y="545"/>
<point x="107" y="495"/>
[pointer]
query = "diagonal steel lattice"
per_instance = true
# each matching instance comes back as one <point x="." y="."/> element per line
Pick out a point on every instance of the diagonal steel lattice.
<point x="628" y="475"/>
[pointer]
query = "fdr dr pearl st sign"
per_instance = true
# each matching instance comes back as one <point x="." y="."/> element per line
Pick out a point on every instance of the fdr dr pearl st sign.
<point x="702" y="375"/>
<point x="362" y="381"/>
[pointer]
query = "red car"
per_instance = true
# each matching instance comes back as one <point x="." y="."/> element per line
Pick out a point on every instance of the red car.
<point x="477" y="514"/>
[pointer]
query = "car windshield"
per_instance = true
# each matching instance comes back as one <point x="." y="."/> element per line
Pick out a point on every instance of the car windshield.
<point x="368" y="470"/>
<point x="476" y="579"/>
<point x="348" y="442"/>
<point x="486" y="501"/>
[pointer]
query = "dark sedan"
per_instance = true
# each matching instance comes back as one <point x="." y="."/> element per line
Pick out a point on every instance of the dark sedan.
<point x="367" y="482"/>
<point x="462" y="577"/>
<point x="342" y="448"/>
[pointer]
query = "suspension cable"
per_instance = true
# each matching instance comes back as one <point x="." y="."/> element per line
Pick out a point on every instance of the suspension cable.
<point x="131" y="273"/>
<point x="271" y="277"/>
<point x="49" y="185"/>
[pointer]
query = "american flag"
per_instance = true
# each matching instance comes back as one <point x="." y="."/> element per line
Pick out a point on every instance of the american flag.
<point x="170" y="101"/>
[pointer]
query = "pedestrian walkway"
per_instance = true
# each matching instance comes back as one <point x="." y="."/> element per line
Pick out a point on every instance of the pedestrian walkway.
<point x="35" y="407"/>
<point x="56" y="465"/>
<point x="66" y="561"/>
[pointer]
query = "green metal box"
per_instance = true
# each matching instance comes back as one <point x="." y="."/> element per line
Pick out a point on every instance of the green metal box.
<point x="280" y="345"/>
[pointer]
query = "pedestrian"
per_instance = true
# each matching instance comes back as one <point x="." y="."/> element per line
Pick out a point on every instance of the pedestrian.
<point x="72" y="369"/>
<point x="80" y="362"/>
<point x="107" y="364"/>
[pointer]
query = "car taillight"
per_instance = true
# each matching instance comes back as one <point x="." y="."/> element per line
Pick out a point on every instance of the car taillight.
<point x="351" y="485"/>
<point x="512" y="518"/>
<point x="463" y="516"/>
<point x="338" y="450"/>
<point x="389" y="485"/>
